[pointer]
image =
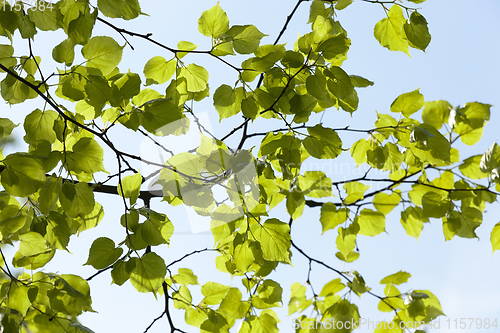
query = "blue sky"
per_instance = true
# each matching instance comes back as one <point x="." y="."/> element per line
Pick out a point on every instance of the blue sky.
<point x="460" y="65"/>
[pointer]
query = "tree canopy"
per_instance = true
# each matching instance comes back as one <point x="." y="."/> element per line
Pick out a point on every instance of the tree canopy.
<point x="248" y="187"/>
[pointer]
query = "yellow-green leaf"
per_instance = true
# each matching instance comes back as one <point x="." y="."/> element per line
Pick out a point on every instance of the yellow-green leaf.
<point x="103" y="253"/>
<point x="103" y="53"/>
<point x="371" y="223"/>
<point x="213" y="22"/>
<point x="495" y="237"/>
<point x="76" y="199"/>
<point x="389" y="31"/>
<point x="23" y="174"/>
<point x="408" y="103"/>
<point x="149" y="273"/>
<point x="158" y="70"/>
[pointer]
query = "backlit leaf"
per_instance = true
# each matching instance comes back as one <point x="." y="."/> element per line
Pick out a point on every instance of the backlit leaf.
<point x="77" y="199"/>
<point x="408" y="103"/>
<point x="23" y="174"/>
<point x="103" y="253"/>
<point x="126" y="9"/>
<point x="149" y="273"/>
<point x="274" y="238"/>
<point x="213" y="22"/>
<point x="102" y="53"/>
<point x="389" y="31"/>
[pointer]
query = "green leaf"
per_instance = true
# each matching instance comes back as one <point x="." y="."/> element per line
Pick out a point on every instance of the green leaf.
<point x="6" y="56"/>
<point x="120" y="272"/>
<point x="250" y="108"/>
<point x="408" y="103"/>
<point x="436" y="113"/>
<point x="39" y="126"/>
<point x="30" y="65"/>
<point x="462" y="224"/>
<point x="416" y="31"/>
<point x="358" y="284"/>
<point x="91" y="220"/>
<point x="429" y="145"/>
<point x="125" y="9"/>
<point x="332" y="287"/>
<point x="385" y="203"/>
<point x="295" y="203"/>
<point x="26" y="27"/>
<point x="23" y="174"/>
<point x="98" y="91"/>
<point x="225" y="101"/>
<point x="6" y="127"/>
<point x="341" y="4"/>
<point x="274" y="238"/>
<point x="9" y="21"/>
<point x="469" y="121"/>
<point x="45" y="18"/>
<point x="158" y="113"/>
<point x="396" y="278"/>
<point x="185" y="277"/>
<point x="371" y="223"/>
<point x="339" y="83"/>
<point x="103" y="253"/>
<point x="334" y="47"/>
<point x="58" y="231"/>
<point x="269" y="295"/>
<point x="72" y="295"/>
<point x="11" y="220"/>
<point x="316" y="87"/>
<point x="196" y="77"/>
<point x="346" y="239"/>
<point x="80" y="29"/>
<point x="77" y="199"/>
<point x="246" y="38"/>
<point x="158" y="70"/>
<point x="495" y="237"/>
<point x="156" y="230"/>
<point x="265" y="323"/>
<point x="33" y="262"/>
<point x="32" y="243"/>
<point x="213" y="22"/>
<point x="17" y="298"/>
<point x="315" y="184"/>
<point x="149" y="273"/>
<point x="317" y="8"/>
<point x="195" y="316"/>
<point x="214" y="292"/>
<point x="298" y="300"/>
<point x="359" y="151"/>
<point x="330" y="217"/>
<point x="434" y="205"/>
<point x="245" y="254"/>
<point x="389" y="31"/>
<point x="323" y="143"/>
<point x="14" y="91"/>
<point x="102" y="53"/>
<point x="490" y="159"/>
<point x="470" y="167"/>
<point x="64" y="52"/>
<point x="130" y="187"/>
<point x="232" y="306"/>
<point x="86" y="156"/>
<point x="185" y="46"/>
<point x="355" y="191"/>
<point x="413" y="220"/>
<point x="360" y="82"/>
<point x="182" y="298"/>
